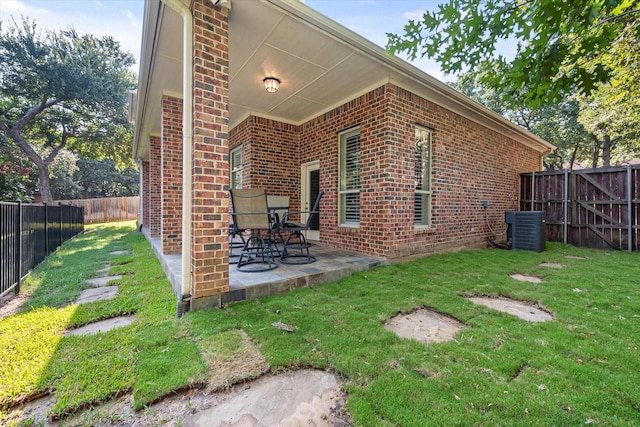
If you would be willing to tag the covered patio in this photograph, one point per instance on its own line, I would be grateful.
(331, 265)
(405, 162)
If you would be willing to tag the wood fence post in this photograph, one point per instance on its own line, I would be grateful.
(629, 209)
(565, 215)
(573, 195)
(533, 189)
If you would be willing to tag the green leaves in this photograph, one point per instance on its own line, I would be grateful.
(555, 39)
(79, 83)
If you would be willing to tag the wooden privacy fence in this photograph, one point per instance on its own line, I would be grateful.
(596, 208)
(108, 209)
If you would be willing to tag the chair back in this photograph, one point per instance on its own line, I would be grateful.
(250, 209)
(278, 205)
(315, 212)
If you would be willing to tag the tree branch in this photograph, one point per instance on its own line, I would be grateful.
(56, 150)
(25, 147)
(18, 125)
(613, 18)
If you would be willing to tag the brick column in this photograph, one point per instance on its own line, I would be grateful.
(155, 188)
(171, 174)
(210, 215)
(146, 202)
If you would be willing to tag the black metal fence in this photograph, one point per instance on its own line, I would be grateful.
(30, 232)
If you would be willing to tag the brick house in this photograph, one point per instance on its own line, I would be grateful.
(405, 161)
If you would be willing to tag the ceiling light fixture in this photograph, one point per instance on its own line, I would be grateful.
(271, 84)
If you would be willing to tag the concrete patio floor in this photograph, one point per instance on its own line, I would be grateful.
(331, 265)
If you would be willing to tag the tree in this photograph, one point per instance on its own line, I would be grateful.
(103, 179)
(612, 112)
(15, 174)
(62, 90)
(558, 43)
(556, 123)
(62, 169)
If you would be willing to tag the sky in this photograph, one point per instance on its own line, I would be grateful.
(122, 19)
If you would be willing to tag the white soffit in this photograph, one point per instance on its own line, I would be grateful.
(320, 64)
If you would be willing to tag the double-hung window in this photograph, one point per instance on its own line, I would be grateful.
(423, 193)
(349, 173)
(236, 167)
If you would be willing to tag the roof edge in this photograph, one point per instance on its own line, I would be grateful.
(459, 103)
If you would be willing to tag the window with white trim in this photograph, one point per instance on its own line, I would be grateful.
(236, 167)
(423, 193)
(349, 173)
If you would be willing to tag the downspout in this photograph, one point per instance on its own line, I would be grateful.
(184, 299)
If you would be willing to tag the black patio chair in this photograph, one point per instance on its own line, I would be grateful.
(250, 212)
(296, 247)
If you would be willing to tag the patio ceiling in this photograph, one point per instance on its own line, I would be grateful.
(320, 65)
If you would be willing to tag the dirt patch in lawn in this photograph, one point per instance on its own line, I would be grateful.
(425, 326)
(231, 357)
(232, 396)
(297, 398)
(11, 303)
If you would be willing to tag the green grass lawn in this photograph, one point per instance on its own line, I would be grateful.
(581, 368)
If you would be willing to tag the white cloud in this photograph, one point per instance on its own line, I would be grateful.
(99, 5)
(17, 9)
(414, 15)
(99, 18)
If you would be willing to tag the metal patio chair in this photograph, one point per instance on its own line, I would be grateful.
(278, 208)
(250, 212)
(296, 247)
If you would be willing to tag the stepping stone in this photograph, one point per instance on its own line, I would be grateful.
(424, 326)
(102, 326)
(523, 278)
(517, 308)
(300, 398)
(97, 294)
(574, 257)
(105, 270)
(102, 281)
(552, 265)
(119, 253)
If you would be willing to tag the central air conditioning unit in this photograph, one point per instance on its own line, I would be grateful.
(526, 230)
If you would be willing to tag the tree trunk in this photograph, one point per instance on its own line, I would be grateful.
(572, 161)
(596, 152)
(44, 183)
(606, 151)
(43, 164)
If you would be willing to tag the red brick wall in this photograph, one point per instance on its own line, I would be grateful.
(270, 156)
(155, 187)
(171, 151)
(210, 216)
(319, 140)
(470, 164)
(241, 135)
(146, 194)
